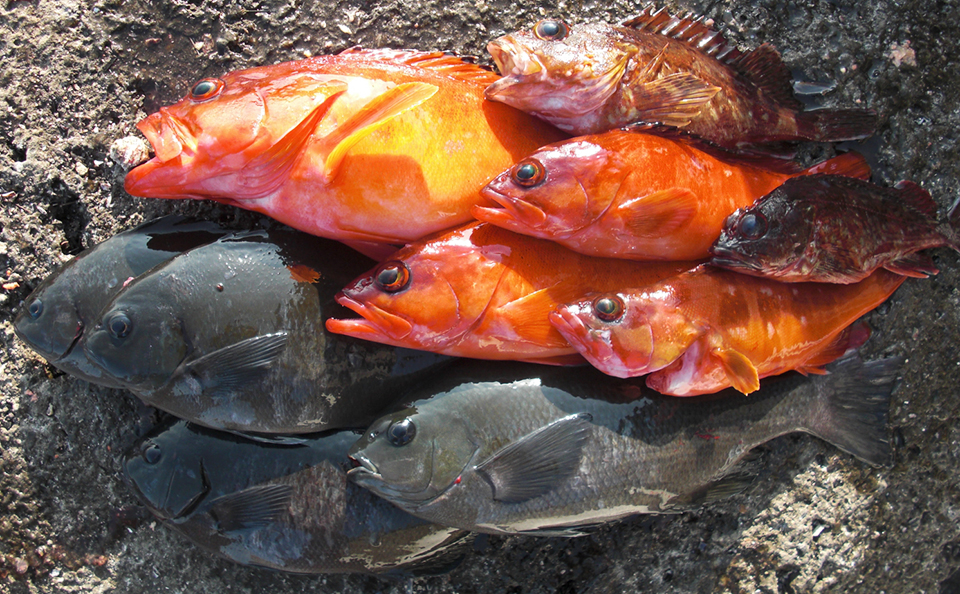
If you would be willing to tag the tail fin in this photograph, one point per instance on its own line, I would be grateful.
(854, 400)
(851, 164)
(834, 125)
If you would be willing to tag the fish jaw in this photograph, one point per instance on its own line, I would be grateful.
(167, 135)
(377, 324)
(731, 259)
(514, 213)
(596, 346)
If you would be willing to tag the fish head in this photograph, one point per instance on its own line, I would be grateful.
(768, 238)
(139, 338)
(626, 334)
(557, 71)
(555, 192)
(167, 478)
(48, 320)
(203, 143)
(427, 296)
(414, 456)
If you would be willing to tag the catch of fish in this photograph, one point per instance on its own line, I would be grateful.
(622, 197)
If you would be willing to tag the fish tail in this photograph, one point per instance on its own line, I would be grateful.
(834, 125)
(851, 164)
(854, 400)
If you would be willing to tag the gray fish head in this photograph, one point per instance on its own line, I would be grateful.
(413, 456)
(753, 240)
(48, 320)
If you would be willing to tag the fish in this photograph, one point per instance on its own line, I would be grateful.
(289, 508)
(634, 194)
(366, 146)
(658, 68)
(483, 292)
(230, 336)
(833, 229)
(53, 318)
(709, 329)
(557, 454)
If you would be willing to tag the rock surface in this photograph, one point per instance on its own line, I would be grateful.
(76, 75)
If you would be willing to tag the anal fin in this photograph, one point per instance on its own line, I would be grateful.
(851, 338)
(915, 265)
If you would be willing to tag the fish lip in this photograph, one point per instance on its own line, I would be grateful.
(521, 211)
(515, 62)
(375, 320)
(367, 467)
(168, 137)
(726, 258)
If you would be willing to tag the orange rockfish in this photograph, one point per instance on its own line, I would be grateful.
(658, 68)
(631, 194)
(709, 329)
(367, 145)
(482, 292)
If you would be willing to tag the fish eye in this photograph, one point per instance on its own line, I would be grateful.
(35, 309)
(528, 173)
(392, 276)
(608, 309)
(551, 30)
(119, 325)
(752, 225)
(401, 432)
(151, 453)
(207, 88)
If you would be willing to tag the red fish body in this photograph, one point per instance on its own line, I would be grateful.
(829, 228)
(631, 194)
(657, 68)
(709, 329)
(480, 291)
(377, 146)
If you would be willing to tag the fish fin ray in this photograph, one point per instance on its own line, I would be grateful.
(658, 213)
(764, 67)
(850, 164)
(917, 197)
(692, 30)
(834, 125)
(251, 508)
(374, 114)
(717, 490)
(951, 229)
(538, 462)
(740, 370)
(851, 338)
(674, 100)
(915, 265)
(529, 315)
(239, 363)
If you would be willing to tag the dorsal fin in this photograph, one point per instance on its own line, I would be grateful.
(765, 68)
(690, 29)
(445, 63)
(917, 198)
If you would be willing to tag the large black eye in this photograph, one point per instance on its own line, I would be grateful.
(207, 88)
(753, 225)
(150, 452)
(551, 30)
(119, 325)
(392, 276)
(608, 309)
(402, 432)
(528, 173)
(35, 309)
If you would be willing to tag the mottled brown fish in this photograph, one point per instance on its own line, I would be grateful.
(835, 229)
(656, 67)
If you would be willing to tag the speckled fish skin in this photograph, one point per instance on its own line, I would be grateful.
(289, 508)
(833, 229)
(231, 336)
(588, 78)
(341, 146)
(55, 315)
(709, 329)
(633, 194)
(572, 448)
(484, 292)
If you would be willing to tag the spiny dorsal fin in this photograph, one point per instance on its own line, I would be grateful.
(917, 198)
(690, 29)
(765, 68)
(445, 63)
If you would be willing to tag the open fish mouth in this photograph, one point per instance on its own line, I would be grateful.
(593, 345)
(514, 212)
(514, 59)
(376, 323)
(364, 467)
(167, 135)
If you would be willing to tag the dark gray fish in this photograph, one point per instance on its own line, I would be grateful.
(290, 508)
(66, 303)
(835, 229)
(553, 453)
(231, 336)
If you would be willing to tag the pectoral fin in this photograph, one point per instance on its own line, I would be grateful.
(674, 100)
(739, 369)
(538, 462)
(374, 114)
(658, 213)
(529, 317)
(233, 366)
(251, 508)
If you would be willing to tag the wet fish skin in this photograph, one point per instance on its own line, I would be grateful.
(68, 302)
(593, 77)
(231, 336)
(289, 508)
(549, 455)
(833, 229)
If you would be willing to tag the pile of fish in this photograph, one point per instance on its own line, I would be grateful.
(623, 195)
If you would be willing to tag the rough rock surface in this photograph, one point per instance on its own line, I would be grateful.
(76, 75)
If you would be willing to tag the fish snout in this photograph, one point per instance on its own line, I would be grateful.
(376, 323)
(514, 212)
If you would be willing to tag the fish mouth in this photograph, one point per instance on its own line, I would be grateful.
(594, 345)
(167, 135)
(513, 214)
(726, 258)
(517, 65)
(377, 324)
(365, 468)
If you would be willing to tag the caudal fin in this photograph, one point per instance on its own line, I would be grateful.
(835, 125)
(854, 399)
(851, 164)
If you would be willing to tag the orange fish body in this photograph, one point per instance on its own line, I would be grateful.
(479, 291)
(631, 194)
(709, 329)
(375, 145)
